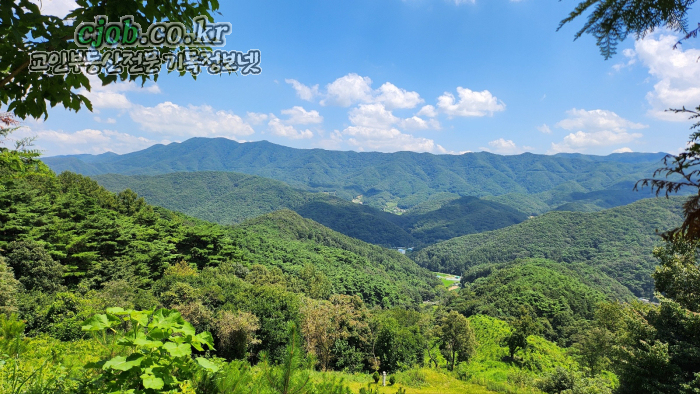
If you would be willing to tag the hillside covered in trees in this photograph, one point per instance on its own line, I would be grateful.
(617, 241)
(403, 179)
(90, 236)
(230, 198)
(78, 259)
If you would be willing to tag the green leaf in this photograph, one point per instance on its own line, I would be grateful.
(159, 334)
(206, 364)
(176, 350)
(203, 338)
(121, 363)
(187, 329)
(140, 317)
(142, 341)
(152, 382)
(97, 323)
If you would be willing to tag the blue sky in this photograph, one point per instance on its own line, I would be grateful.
(389, 75)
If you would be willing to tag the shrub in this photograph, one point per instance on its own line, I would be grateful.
(392, 380)
(412, 378)
(158, 347)
(375, 376)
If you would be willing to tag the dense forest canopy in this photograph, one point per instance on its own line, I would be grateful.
(618, 241)
(385, 180)
(230, 198)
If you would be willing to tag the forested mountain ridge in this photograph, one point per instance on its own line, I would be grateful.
(618, 241)
(91, 236)
(559, 295)
(229, 198)
(403, 178)
(70, 250)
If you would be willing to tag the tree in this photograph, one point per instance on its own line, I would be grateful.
(8, 288)
(684, 172)
(613, 20)
(24, 30)
(236, 332)
(34, 267)
(20, 161)
(327, 323)
(678, 275)
(523, 327)
(458, 340)
(292, 375)
(398, 346)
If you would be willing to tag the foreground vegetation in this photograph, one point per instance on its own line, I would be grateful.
(103, 292)
(73, 251)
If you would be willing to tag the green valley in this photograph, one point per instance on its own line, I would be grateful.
(617, 241)
(230, 198)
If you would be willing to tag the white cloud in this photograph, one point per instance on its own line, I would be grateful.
(304, 92)
(277, 127)
(581, 141)
(623, 150)
(676, 71)
(59, 8)
(373, 129)
(594, 129)
(427, 110)
(256, 118)
(348, 90)
(298, 115)
(416, 123)
(394, 97)
(107, 99)
(544, 129)
(389, 140)
(112, 95)
(333, 142)
(631, 59)
(597, 120)
(355, 89)
(378, 116)
(372, 115)
(201, 121)
(506, 147)
(92, 141)
(470, 103)
(108, 120)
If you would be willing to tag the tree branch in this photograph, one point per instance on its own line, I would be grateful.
(13, 74)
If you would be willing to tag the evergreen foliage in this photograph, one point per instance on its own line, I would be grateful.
(403, 178)
(617, 241)
(558, 297)
(230, 198)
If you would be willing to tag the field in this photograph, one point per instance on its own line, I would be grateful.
(449, 281)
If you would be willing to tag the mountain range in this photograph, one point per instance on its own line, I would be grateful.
(397, 181)
(230, 198)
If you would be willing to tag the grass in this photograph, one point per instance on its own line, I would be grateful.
(446, 282)
(436, 382)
